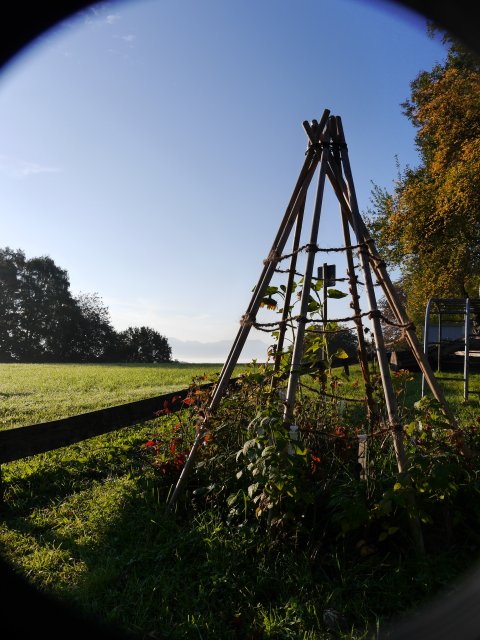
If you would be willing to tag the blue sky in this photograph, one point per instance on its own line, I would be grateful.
(150, 147)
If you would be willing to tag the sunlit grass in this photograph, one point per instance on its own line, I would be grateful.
(33, 393)
(88, 523)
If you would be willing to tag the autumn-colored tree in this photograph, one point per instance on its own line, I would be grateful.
(429, 226)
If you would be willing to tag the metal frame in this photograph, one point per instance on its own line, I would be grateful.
(451, 307)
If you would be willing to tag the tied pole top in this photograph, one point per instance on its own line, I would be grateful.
(326, 133)
(316, 131)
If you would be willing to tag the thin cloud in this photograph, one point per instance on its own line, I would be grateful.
(16, 168)
(112, 18)
(87, 16)
(128, 38)
(95, 16)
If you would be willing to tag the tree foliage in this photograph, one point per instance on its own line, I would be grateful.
(143, 344)
(429, 226)
(392, 333)
(339, 339)
(95, 338)
(40, 320)
(37, 310)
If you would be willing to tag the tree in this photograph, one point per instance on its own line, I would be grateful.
(11, 263)
(429, 226)
(392, 333)
(40, 320)
(37, 314)
(95, 338)
(143, 344)
(47, 311)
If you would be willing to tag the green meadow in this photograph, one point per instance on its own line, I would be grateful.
(88, 525)
(32, 393)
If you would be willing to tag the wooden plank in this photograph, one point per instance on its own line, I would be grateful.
(30, 440)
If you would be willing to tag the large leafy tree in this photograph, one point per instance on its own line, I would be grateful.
(429, 226)
(95, 337)
(11, 265)
(47, 311)
(40, 320)
(392, 333)
(143, 344)
(37, 311)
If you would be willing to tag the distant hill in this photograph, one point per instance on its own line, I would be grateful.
(194, 351)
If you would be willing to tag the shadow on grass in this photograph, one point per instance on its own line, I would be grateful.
(88, 524)
(164, 577)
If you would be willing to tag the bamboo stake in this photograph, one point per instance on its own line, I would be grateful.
(288, 294)
(393, 299)
(307, 281)
(380, 350)
(362, 350)
(390, 400)
(397, 308)
(296, 201)
(239, 342)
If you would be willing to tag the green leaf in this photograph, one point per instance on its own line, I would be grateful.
(410, 429)
(248, 445)
(270, 290)
(232, 499)
(253, 488)
(268, 450)
(335, 293)
(268, 302)
(300, 450)
(341, 353)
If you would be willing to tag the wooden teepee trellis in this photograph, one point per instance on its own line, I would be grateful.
(326, 153)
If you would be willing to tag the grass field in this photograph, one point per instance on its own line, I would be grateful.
(87, 523)
(32, 393)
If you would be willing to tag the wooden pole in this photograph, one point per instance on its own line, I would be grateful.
(288, 294)
(392, 297)
(362, 349)
(259, 292)
(466, 354)
(296, 201)
(372, 414)
(324, 309)
(389, 393)
(304, 301)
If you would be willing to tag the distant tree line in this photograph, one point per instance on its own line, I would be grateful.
(41, 321)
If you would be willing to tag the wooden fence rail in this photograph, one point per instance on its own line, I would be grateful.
(30, 440)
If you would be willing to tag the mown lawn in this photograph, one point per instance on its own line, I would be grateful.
(88, 524)
(33, 393)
